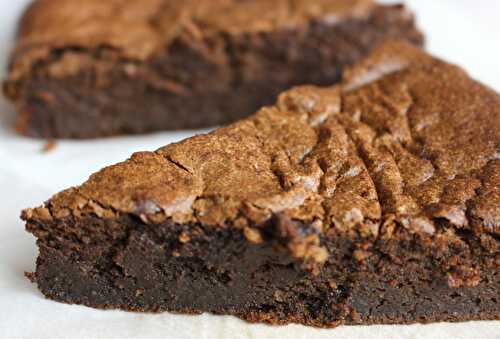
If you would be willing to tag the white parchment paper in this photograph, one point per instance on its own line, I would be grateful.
(466, 32)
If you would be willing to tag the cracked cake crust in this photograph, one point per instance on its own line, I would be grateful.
(391, 176)
(197, 63)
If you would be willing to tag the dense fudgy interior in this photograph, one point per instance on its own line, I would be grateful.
(192, 83)
(192, 269)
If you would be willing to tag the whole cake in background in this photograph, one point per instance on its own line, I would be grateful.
(374, 201)
(93, 68)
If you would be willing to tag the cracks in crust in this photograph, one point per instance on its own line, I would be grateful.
(410, 147)
(417, 141)
(477, 193)
(259, 137)
(178, 164)
(358, 154)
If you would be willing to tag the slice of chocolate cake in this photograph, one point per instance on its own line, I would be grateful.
(93, 68)
(375, 201)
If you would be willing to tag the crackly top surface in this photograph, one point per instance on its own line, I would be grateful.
(140, 28)
(406, 139)
(150, 22)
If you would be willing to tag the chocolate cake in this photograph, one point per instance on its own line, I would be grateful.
(93, 68)
(374, 201)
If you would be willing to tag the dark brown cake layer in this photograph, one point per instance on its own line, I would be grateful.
(375, 201)
(100, 68)
(188, 269)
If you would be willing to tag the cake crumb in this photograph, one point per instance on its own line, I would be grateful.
(49, 146)
(464, 277)
(184, 237)
(31, 276)
(252, 235)
(360, 255)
